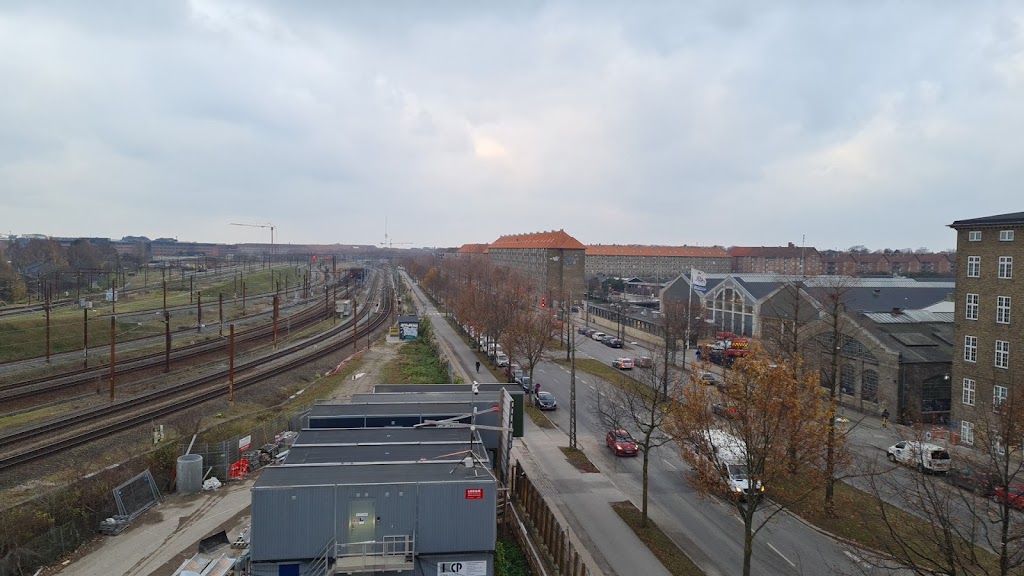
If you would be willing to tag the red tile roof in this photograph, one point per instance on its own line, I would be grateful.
(771, 251)
(553, 240)
(473, 249)
(679, 251)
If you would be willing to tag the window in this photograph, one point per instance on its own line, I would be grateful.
(974, 236)
(847, 375)
(1002, 309)
(869, 386)
(969, 390)
(1005, 267)
(998, 396)
(970, 348)
(972, 306)
(1002, 354)
(1006, 235)
(974, 266)
(967, 432)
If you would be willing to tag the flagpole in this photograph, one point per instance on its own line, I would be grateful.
(689, 318)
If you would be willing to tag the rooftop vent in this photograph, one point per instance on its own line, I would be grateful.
(896, 311)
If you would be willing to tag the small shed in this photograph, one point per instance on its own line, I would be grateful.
(408, 327)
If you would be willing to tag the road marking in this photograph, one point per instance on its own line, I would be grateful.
(854, 557)
(669, 464)
(781, 554)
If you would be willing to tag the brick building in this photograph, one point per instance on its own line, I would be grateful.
(988, 361)
(791, 259)
(553, 261)
(654, 263)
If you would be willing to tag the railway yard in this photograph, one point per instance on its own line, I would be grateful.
(78, 412)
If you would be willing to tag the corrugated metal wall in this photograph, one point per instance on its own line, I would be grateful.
(449, 522)
(395, 504)
(291, 523)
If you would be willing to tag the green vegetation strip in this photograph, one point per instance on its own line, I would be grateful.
(509, 559)
(579, 459)
(539, 418)
(613, 375)
(416, 363)
(670, 556)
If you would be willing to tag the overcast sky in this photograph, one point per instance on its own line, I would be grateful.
(731, 123)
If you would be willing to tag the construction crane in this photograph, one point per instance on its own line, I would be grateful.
(389, 243)
(267, 225)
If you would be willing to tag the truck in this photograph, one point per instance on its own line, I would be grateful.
(727, 349)
(727, 454)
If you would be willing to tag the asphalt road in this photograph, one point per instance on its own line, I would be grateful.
(708, 529)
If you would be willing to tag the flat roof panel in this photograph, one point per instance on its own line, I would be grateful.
(444, 472)
(354, 436)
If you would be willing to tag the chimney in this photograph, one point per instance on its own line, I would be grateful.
(791, 245)
(896, 311)
(877, 291)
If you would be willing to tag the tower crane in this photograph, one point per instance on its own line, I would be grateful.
(388, 242)
(267, 225)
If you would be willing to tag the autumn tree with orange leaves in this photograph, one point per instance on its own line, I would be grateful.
(765, 401)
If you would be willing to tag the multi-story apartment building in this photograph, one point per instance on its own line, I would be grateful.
(791, 259)
(654, 263)
(988, 366)
(472, 251)
(553, 261)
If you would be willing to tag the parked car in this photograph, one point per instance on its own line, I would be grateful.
(589, 332)
(614, 342)
(623, 363)
(709, 378)
(1014, 496)
(501, 359)
(544, 400)
(511, 369)
(599, 336)
(525, 382)
(582, 330)
(621, 443)
(926, 457)
(724, 410)
(978, 480)
(643, 362)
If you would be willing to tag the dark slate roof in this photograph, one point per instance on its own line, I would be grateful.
(513, 389)
(757, 289)
(439, 397)
(1013, 218)
(371, 474)
(868, 299)
(408, 319)
(355, 436)
(396, 409)
(362, 455)
(918, 342)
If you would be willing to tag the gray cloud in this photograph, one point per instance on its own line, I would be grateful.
(704, 122)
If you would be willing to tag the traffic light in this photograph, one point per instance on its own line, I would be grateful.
(543, 302)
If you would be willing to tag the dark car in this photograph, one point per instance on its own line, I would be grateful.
(978, 480)
(621, 443)
(724, 410)
(589, 332)
(582, 330)
(545, 400)
(526, 383)
(1014, 496)
(613, 342)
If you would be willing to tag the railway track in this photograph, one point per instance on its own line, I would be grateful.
(93, 424)
(71, 379)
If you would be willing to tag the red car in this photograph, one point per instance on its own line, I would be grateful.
(1015, 498)
(621, 443)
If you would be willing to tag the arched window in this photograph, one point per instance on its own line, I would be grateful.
(847, 377)
(869, 386)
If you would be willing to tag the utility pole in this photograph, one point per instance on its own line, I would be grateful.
(355, 325)
(572, 395)
(275, 321)
(85, 338)
(47, 308)
(167, 338)
(220, 312)
(113, 348)
(199, 312)
(231, 365)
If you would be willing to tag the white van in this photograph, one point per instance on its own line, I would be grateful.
(729, 455)
(599, 336)
(926, 457)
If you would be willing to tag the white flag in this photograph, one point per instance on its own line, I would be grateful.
(698, 280)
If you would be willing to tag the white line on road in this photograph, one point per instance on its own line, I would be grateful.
(781, 554)
(854, 557)
(669, 464)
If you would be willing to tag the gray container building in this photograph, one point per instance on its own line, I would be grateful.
(401, 501)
